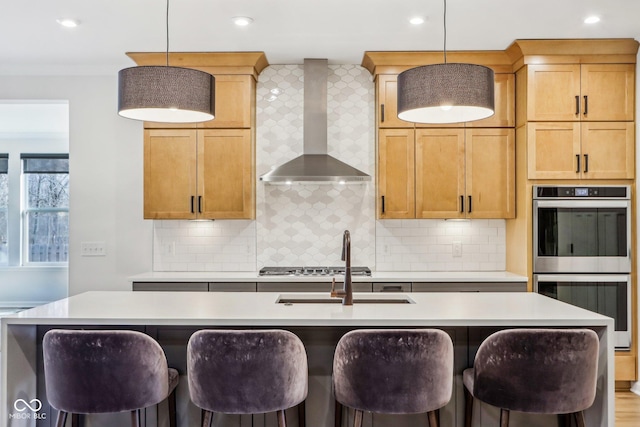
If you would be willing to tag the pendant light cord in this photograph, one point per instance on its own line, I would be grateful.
(167, 21)
(445, 30)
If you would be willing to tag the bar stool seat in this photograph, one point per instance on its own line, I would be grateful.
(106, 371)
(247, 372)
(540, 371)
(393, 371)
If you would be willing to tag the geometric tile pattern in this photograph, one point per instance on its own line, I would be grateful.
(302, 224)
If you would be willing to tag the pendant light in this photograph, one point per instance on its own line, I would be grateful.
(166, 94)
(445, 93)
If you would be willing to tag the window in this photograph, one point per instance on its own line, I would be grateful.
(4, 202)
(45, 212)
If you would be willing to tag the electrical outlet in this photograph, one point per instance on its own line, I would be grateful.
(457, 249)
(93, 249)
(169, 248)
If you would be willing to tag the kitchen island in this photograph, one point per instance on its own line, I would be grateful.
(171, 317)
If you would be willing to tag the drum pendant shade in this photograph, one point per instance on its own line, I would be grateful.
(446, 93)
(166, 94)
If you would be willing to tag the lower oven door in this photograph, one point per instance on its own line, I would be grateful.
(607, 294)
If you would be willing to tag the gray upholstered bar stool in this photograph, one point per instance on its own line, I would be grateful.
(541, 371)
(247, 372)
(393, 372)
(103, 371)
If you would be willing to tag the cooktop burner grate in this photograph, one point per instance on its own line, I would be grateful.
(313, 271)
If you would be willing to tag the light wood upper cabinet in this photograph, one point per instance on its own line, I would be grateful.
(205, 174)
(396, 173)
(572, 150)
(590, 92)
(458, 173)
(440, 174)
(387, 105)
(235, 103)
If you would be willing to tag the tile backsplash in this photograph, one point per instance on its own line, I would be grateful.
(302, 224)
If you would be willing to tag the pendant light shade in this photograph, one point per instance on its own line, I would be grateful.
(446, 93)
(166, 94)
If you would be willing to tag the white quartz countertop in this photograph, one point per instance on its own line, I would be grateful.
(262, 310)
(376, 276)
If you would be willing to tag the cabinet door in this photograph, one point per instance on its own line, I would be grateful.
(396, 174)
(225, 174)
(607, 92)
(490, 173)
(235, 100)
(553, 92)
(553, 150)
(440, 173)
(504, 103)
(169, 173)
(388, 103)
(608, 150)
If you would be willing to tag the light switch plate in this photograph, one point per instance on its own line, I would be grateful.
(93, 249)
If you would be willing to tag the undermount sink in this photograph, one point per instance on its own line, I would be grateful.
(357, 299)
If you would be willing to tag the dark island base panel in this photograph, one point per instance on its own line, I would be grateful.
(320, 343)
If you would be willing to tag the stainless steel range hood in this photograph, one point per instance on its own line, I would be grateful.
(315, 165)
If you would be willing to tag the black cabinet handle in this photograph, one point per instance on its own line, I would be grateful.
(586, 104)
(199, 204)
(382, 204)
(578, 161)
(391, 288)
(382, 113)
(577, 105)
(461, 204)
(192, 206)
(586, 163)
(469, 204)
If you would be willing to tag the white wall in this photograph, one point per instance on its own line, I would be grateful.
(105, 168)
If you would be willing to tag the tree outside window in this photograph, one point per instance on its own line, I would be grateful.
(4, 203)
(46, 208)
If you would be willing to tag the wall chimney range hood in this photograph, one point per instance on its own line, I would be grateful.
(315, 165)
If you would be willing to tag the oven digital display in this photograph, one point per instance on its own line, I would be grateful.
(582, 192)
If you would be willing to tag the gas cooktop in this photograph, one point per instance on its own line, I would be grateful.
(312, 271)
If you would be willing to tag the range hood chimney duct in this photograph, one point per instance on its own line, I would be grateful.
(315, 165)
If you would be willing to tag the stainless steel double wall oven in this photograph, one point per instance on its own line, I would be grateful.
(582, 250)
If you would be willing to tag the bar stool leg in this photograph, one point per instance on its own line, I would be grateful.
(282, 418)
(172, 408)
(75, 420)
(338, 414)
(207, 417)
(468, 408)
(135, 418)
(504, 418)
(433, 419)
(357, 418)
(302, 414)
(579, 416)
(61, 419)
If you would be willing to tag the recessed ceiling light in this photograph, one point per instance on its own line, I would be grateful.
(68, 22)
(417, 20)
(242, 21)
(591, 19)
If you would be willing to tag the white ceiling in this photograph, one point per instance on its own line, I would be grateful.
(31, 42)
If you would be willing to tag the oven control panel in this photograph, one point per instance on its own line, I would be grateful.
(577, 192)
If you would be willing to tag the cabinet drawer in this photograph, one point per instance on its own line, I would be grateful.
(171, 286)
(232, 286)
(469, 287)
(309, 287)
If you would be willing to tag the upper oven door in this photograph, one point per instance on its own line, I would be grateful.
(581, 236)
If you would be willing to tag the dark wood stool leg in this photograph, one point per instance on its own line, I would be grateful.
(504, 418)
(579, 417)
(207, 417)
(135, 418)
(433, 419)
(302, 414)
(172, 408)
(338, 414)
(75, 420)
(282, 418)
(61, 419)
(357, 418)
(564, 420)
(468, 408)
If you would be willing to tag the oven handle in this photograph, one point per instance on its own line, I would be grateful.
(605, 278)
(574, 203)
